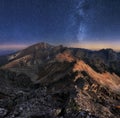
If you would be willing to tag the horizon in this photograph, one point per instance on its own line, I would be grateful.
(11, 48)
(93, 45)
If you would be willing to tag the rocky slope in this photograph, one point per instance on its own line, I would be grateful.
(45, 81)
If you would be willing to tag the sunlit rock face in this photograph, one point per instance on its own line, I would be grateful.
(55, 81)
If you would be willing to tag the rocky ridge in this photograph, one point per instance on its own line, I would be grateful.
(45, 81)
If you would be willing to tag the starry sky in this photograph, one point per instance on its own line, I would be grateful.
(78, 23)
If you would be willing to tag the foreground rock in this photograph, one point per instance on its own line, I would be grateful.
(62, 93)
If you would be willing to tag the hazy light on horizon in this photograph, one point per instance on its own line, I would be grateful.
(97, 45)
(12, 46)
(87, 45)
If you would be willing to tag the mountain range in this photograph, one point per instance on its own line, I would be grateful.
(47, 81)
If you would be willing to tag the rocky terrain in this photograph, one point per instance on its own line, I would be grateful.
(46, 81)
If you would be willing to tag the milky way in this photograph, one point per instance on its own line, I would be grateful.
(98, 20)
(85, 16)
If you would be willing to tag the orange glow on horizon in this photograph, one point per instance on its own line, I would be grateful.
(97, 45)
(86, 45)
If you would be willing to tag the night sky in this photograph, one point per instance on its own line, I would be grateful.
(80, 23)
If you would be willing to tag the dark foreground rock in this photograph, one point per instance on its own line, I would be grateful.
(56, 99)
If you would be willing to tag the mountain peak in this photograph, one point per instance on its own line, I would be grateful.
(108, 50)
(41, 45)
